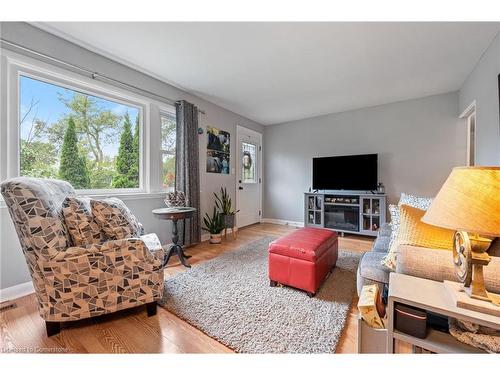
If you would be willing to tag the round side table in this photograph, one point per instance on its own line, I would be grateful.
(175, 214)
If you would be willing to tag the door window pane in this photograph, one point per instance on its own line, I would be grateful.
(249, 152)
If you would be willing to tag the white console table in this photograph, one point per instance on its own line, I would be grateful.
(431, 296)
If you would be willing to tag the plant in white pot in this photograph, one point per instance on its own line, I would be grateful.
(214, 225)
(224, 204)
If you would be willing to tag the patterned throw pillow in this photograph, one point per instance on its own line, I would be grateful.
(416, 202)
(115, 219)
(411, 200)
(82, 227)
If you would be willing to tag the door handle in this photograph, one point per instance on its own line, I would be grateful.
(240, 188)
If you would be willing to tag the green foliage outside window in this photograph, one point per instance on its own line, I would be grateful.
(91, 142)
(73, 167)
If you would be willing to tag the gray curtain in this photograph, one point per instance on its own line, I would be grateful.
(187, 175)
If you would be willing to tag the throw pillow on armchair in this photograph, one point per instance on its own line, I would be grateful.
(115, 219)
(82, 226)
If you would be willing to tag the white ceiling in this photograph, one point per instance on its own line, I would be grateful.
(277, 72)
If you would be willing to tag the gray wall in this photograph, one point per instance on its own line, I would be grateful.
(13, 268)
(418, 142)
(482, 86)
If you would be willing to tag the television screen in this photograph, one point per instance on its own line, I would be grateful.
(354, 172)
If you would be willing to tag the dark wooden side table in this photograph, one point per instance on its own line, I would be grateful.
(174, 214)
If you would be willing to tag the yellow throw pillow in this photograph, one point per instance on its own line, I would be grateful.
(412, 231)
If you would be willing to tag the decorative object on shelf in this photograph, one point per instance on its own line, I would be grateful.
(469, 203)
(380, 188)
(218, 150)
(410, 320)
(224, 205)
(370, 306)
(214, 225)
(176, 199)
(484, 338)
(200, 130)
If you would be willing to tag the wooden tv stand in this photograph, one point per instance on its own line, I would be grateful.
(345, 212)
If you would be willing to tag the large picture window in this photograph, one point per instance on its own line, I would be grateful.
(89, 141)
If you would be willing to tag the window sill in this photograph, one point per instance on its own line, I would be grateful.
(127, 196)
(122, 196)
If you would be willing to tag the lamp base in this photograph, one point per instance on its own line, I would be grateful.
(470, 256)
(490, 297)
(461, 298)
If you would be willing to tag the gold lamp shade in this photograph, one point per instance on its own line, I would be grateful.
(468, 201)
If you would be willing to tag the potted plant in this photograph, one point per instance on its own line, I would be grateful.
(223, 203)
(214, 225)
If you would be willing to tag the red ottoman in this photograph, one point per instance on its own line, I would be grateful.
(303, 258)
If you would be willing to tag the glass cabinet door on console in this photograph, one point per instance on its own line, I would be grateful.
(314, 212)
(371, 214)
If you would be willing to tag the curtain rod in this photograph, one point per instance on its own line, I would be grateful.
(94, 75)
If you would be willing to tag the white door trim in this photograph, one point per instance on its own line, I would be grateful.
(240, 128)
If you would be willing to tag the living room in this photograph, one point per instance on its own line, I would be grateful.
(250, 187)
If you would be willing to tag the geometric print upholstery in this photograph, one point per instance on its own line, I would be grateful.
(115, 219)
(82, 227)
(77, 282)
(99, 279)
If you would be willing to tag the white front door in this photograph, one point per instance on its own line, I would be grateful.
(248, 176)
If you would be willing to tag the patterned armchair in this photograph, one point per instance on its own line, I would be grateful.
(73, 283)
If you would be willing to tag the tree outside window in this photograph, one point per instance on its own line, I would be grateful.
(168, 140)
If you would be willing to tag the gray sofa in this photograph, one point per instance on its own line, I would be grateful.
(421, 262)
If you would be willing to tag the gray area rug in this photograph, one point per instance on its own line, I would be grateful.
(229, 298)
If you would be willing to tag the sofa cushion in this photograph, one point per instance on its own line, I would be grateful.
(381, 244)
(82, 226)
(371, 267)
(438, 265)
(385, 230)
(115, 219)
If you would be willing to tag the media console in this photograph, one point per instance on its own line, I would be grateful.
(345, 212)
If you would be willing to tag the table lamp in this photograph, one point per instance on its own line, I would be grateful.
(469, 203)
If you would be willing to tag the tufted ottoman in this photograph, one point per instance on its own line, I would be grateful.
(303, 258)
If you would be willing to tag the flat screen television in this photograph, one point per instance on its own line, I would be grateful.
(353, 172)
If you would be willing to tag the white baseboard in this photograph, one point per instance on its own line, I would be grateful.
(16, 291)
(299, 224)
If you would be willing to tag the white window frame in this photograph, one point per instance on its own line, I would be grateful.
(14, 65)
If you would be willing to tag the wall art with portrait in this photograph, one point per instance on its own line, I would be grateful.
(218, 150)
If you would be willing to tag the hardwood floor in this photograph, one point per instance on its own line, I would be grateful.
(131, 331)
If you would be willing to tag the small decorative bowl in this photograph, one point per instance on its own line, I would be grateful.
(176, 199)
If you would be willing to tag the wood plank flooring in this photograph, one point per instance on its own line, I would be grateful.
(131, 331)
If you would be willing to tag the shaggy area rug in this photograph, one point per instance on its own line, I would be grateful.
(229, 298)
